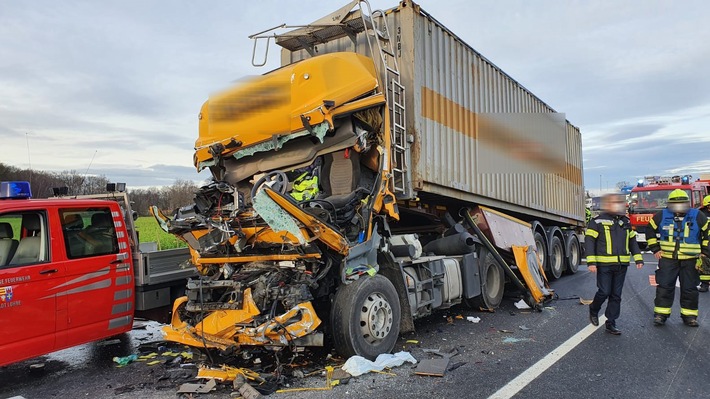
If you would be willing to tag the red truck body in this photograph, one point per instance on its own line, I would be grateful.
(66, 275)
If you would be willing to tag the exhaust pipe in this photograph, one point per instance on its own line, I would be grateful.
(457, 244)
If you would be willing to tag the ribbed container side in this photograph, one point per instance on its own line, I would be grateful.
(450, 89)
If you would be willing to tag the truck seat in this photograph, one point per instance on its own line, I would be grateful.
(30, 247)
(8, 245)
(340, 176)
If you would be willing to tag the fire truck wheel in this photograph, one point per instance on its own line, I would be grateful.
(557, 257)
(492, 283)
(365, 317)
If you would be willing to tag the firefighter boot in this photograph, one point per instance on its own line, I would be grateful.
(704, 286)
(659, 320)
(691, 321)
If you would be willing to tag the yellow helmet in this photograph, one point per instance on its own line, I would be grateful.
(678, 195)
(706, 200)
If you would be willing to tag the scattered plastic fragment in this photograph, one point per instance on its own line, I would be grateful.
(358, 365)
(460, 317)
(455, 366)
(473, 319)
(153, 363)
(412, 341)
(521, 305)
(524, 328)
(122, 361)
(207, 387)
(512, 340)
(585, 301)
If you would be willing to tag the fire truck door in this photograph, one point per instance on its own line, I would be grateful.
(28, 301)
(98, 296)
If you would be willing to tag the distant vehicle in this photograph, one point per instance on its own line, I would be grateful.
(71, 271)
(650, 196)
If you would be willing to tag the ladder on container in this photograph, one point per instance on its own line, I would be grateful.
(394, 93)
(349, 21)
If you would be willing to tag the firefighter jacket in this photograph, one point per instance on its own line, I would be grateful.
(679, 237)
(611, 241)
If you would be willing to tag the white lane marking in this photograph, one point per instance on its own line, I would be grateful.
(534, 371)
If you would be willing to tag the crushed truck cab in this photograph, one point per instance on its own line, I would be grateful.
(367, 183)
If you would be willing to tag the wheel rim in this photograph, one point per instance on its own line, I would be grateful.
(540, 253)
(557, 259)
(492, 281)
(574, 255)
(376, 318)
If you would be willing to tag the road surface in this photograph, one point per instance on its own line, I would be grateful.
(511, 353)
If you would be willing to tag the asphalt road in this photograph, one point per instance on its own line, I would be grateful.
(517, 353)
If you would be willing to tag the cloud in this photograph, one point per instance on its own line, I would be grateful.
(123, 82)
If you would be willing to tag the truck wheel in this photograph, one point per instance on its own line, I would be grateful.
(541, 249)
(365, 317)
(492, 283)
(574, 255)
(557, 257)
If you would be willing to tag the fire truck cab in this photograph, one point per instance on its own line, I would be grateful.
(66, 272)
(650, 196)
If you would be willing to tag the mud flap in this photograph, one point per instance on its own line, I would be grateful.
(532, 273)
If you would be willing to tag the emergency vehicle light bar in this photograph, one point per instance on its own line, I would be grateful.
(15, 190)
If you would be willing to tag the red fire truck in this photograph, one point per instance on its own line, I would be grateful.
(650, 196)
(71, 271)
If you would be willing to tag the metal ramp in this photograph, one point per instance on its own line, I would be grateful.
(349, 21)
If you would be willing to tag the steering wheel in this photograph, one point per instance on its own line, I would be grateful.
(278, 180)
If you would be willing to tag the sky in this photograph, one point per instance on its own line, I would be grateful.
(114, 88)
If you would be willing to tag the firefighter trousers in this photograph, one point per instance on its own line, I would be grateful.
(610, 282)
(669, 270)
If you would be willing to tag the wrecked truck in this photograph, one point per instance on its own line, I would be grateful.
(386, 170)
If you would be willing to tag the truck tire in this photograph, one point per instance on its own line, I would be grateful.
(492, 283)
(365, 317)
(541, 249)
(557, 257)
(574, 254)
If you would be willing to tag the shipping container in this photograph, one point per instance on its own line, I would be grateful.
(475, 134)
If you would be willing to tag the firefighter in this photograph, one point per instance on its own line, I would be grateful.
(705, 278)
(609, 243)
(677, 236)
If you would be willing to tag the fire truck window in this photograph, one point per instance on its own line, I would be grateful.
(23, 239)
(88, 232)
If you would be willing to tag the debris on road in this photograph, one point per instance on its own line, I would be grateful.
(122, 361)
(522, 305)
(473, 319)
(524, 328)
(585, 301)
(512, 340)
(433, 367)
(358, 365)
(207, 387)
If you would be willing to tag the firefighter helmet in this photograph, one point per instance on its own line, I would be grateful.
(678, 195)
(706, 200)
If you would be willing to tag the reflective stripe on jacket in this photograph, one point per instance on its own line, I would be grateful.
(610, 240)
